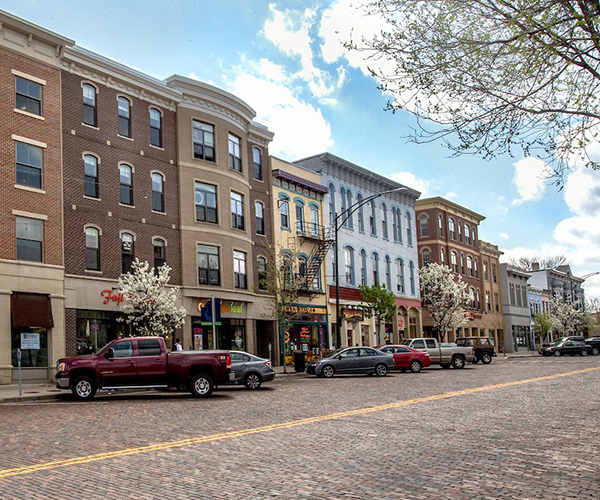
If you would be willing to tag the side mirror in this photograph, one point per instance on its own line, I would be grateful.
(109, 354)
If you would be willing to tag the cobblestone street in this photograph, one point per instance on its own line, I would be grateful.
(511, 429)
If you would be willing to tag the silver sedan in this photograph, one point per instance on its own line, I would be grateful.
(352, 360)
(251, 370)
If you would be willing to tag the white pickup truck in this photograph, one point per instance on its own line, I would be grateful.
(444, 355)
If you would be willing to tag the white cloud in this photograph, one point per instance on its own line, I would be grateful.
(529, 178)
(410, 180)
(504, 236)
(450, 195)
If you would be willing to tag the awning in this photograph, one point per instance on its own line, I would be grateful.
(31, 309)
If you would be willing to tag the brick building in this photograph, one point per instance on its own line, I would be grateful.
(121, 187)
(31, 235)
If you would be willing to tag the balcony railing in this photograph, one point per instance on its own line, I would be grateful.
(310, 230)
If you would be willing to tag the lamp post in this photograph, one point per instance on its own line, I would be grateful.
(583, 278)
(344, 216)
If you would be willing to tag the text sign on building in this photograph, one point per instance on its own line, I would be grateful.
(30, 341)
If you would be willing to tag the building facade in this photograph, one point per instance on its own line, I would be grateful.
(491, 323)
(517, 321)
(448, 234)
(225, 220)
(377, 244)
(300, 247)
(559, 282)
(32, 317)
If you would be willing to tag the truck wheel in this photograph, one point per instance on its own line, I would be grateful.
(486, 359)
(458, 362)
(595, 351)
(252, 381)
(445, 365)
(328, 371)
(381, 370)
(201, 385)
(415, 366)
(84, 388)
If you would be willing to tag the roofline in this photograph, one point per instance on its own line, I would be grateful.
(28, 28)
(440, 199)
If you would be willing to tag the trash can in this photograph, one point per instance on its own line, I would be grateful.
(299, 361)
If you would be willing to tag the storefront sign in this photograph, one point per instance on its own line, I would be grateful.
(305, 309)
(30, 341)
(352, 315)
(232, 308)
(205, 309)
(111, 295)
(472, 315)
(400, 324)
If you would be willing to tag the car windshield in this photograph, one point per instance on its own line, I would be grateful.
(333, 353)
(98, 351)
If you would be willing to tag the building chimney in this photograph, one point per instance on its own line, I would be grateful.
(535, 266)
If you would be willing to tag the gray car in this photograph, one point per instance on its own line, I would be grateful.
(251, 370)
(352, 360)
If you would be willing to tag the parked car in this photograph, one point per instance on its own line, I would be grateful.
(564, 347)
(445, 355)
(407, 358)
(251, 370)
(143, 362)
(594, 343)
(484, 350)
(352, 360)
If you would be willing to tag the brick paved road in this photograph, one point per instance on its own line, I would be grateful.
(534, 440)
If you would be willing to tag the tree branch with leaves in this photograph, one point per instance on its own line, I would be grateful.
(379, 303)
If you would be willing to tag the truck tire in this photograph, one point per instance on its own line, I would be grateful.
(381, 370)
(252, 381)
(458, 362)
(486, 358)
(84, 388)
(415, 366)
(201, 385)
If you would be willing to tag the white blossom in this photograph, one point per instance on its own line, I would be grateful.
(567, 316)
(148, 303)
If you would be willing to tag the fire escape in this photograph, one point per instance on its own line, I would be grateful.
(321, 240)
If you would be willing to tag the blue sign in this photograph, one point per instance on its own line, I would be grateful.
(206, 313)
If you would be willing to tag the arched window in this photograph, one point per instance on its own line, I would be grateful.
(467, 234)
(373, 220)
(299, 218)
(388, 273)
(394, 224)
(469, 265)
(90, 167)
(412, 277)
(126, 252)
(425, 257)
(92, 249)
(476, 268)
(472, 297)
(399, 218)
(363, 268)
(158, 192)
(314, 221)
(349, 265)
(331, 205)
(400, 275)
(343, 213)
(442, 257)
(160, 253)
(261, 266)
(384, 221)
(408, 229)
(284, 208)
(361, 215)
(454, 261)
(375, 262)
(126, 179)
(451, 231)
(155, 128)
(349, 222)
(302, 266)
(462, 263)
(124, 117)
(89, 105)
(424, 225)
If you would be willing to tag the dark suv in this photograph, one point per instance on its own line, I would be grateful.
(594, 343)
(484, 349)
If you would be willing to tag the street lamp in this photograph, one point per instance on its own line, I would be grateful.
(583, 278)
(344, 216)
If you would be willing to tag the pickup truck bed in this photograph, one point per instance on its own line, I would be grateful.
(443, 355)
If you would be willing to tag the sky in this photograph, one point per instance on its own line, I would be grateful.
(286, 60)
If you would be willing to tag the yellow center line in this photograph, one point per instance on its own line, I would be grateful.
(268, 428)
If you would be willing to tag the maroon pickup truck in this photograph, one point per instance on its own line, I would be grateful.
(143, 362)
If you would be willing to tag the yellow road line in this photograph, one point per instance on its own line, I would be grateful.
(268, 428)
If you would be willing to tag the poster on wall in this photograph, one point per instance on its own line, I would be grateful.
(30, 341)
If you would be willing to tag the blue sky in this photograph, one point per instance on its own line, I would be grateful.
(285, 60)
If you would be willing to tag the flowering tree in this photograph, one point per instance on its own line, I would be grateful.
(148, 304)
(446, 297)
(567, 316)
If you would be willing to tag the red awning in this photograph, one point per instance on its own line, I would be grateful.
(31, 309)
(408, 303)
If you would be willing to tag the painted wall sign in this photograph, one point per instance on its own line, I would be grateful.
(111, 295)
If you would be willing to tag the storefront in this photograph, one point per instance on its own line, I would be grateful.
(307, 331)
(227, 331)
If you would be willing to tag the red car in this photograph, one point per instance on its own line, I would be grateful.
(407, 358)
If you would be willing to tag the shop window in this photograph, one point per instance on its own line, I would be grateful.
(30, 238)
(92, 249)
(208, 265)
(126, 252)
(30, 358)
(95, 329)
(232, 334)
(28, 96)
(204, 141)
(158, 192)
(90, 167)
(155, 128)
(124, 117)
(28, 165)
(206, 203)
(89, 105)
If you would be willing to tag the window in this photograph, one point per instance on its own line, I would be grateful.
(388, 273)
(476, 268)
(408, 229)
(459, 231)
(411, 267)
(314, 221)
(30, 238)
(302, 267)
(399, 217)
(472, 297)
(496, 303)
(350, 221)
(284, 207)
(494, 273)
(159, 253)
(28, 96)
(123, 349)
(363, 268)
(261, 266)
(331, 205)
(239, 269)
(204, 141)
(469, 265)
(237, 211)
(259, 212)
(462, 263)
(90, 171)
(384, 222)
(375, 261)
(89, 105)
(208, 265)
(488, 304)
(442, 257)
(424, 225)
(485, 271)
(400, 275)
(373, 220)
(235, 153)
(299, 218)
(158, 194)
(454, 261)
(29, 165)
(349, 261)
(394, 224)
(467, 235)
(124, 117)
(126, 252)
(512, 294)
(257, 161)
(92, 249)
(155, 128)
(426, 257)
(148, 347)
(451, 231)
(126, 185)
(361, 215)
(205, 198)
(440, 226)
(317, 278)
